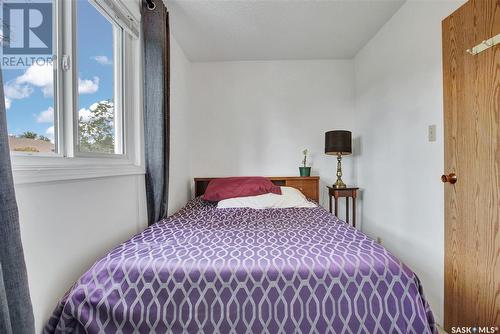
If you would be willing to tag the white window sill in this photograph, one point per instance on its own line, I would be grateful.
(51, 169)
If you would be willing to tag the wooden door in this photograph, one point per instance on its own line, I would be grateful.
(472, 152)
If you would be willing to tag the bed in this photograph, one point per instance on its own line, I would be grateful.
(209, 270)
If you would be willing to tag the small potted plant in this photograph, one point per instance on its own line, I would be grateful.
(304, 170)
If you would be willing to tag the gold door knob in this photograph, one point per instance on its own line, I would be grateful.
(452, 178)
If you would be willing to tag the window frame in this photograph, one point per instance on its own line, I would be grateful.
(118, 91)
(68, 162)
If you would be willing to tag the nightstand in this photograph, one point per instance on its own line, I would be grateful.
(336, 193)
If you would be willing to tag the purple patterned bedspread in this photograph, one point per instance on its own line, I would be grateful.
(246, 271)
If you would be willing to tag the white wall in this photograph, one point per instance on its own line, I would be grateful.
(66, 226)
(256, 117)
(180, 129)
(398, 94)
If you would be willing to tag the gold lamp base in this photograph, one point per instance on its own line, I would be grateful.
(339, 183)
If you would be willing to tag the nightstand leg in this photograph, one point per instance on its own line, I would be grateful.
(354, 212)
(330, 203)
(347, 210)
(336, 205)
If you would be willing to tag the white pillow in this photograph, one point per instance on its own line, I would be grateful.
(289, 198)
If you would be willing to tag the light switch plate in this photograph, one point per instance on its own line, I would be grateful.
(432, 133)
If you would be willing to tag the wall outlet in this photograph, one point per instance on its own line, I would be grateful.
(432, 133)
(379, 240)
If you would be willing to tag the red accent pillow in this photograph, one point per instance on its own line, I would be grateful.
(230, 187)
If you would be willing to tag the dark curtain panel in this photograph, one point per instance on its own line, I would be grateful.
(15, 304)
(156, 107)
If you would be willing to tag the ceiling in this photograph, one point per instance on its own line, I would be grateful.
(231, 30)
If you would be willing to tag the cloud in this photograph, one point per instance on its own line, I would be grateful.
(46, 116)
(41, 76)
(103, 60)
(84, 114)
(22, 86)
(86, 86)
(50, 133)
(14, 91)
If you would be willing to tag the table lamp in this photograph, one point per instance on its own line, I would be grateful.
(338, 142)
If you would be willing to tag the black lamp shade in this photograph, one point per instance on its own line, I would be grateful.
(338, 142)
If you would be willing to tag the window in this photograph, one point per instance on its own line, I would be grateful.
(69, 102)
(72, 84)
(98, 56)
(29, 83)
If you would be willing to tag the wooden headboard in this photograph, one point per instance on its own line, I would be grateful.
(309, 186)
